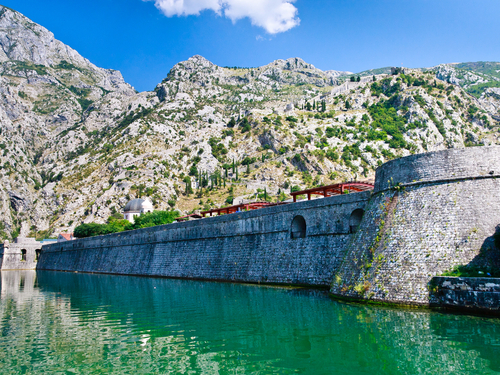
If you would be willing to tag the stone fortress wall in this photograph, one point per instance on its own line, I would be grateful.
(428, 213)
(22, 254)
(268, 245)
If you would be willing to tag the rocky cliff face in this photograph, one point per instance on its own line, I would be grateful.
(77, 142)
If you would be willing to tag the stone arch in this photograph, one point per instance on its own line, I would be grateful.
(355, 220)
(298, 229)
(23, 255)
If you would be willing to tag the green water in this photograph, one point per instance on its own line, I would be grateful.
(63, 323)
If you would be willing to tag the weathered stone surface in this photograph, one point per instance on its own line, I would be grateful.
(253, 246)
(468, 293)
(441, 212)
(22, 254)
(426, 219)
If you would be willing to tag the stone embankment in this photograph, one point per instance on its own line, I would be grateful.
(466, 293)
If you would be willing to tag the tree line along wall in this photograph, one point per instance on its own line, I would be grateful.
(428, 213)
(295, 244)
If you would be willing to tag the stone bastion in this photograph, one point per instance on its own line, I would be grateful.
(428, 213)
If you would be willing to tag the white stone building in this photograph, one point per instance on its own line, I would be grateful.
(136, 207)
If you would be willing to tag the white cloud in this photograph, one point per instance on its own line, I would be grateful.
(274, 16)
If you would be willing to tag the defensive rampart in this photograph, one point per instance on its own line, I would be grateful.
(272, 245)
(22, 254)
(428, 213)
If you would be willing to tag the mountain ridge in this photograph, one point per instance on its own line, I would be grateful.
(77, 142)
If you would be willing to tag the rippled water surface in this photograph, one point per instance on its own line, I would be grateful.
(64, 323)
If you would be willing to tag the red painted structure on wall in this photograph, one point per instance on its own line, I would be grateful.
(335, 189)
(239, 207)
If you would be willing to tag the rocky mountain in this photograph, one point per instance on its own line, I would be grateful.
(77, 142)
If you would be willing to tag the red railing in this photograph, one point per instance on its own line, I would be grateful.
(335, 189)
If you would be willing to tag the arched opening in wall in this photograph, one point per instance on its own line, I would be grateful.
(23, 255)
(298, 227)
(355, 220)
(37, 254)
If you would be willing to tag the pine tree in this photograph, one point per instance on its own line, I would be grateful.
(233, 166)
(314, 105)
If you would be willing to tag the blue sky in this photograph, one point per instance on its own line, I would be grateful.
(137, 38)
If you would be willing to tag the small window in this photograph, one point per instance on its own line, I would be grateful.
(298, 227)
(37, 254)
(355, 220)
(23, 255)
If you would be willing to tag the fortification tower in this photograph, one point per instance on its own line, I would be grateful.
(428, 213)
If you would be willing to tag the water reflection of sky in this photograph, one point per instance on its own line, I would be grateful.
(92, 324)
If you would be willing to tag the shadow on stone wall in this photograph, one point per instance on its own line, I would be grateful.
(489, 253)
(474, 286)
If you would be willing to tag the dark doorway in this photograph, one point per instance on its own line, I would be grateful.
(298, 227)
(355, 220)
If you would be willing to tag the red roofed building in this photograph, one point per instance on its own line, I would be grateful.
(65, 237)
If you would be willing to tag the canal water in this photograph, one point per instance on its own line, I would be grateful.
(67, 323)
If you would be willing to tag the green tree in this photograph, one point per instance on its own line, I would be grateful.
(189, 189)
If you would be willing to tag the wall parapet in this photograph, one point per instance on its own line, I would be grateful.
(242, 223)
(439, 166)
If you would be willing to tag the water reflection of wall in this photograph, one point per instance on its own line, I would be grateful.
(20, 285)
(235, 324)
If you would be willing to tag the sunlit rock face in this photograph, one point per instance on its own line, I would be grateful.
(77, 142)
